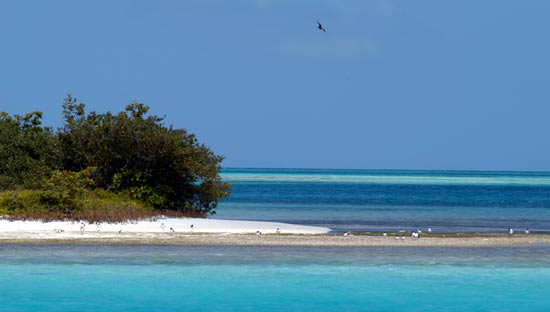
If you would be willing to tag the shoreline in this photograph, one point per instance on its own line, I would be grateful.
(298, 240)
(215, 232)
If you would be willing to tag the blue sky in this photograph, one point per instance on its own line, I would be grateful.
(391, 84)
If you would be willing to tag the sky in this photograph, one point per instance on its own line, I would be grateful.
(392, 84)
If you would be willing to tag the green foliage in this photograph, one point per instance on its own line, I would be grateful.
(28, 152)
(135, 184)
(130, 153)
(15, 201)
(135, 153)
(65, 191)
(95, 205)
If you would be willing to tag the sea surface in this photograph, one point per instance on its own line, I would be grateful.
(216, 278)
(392, 200)
(247, 278)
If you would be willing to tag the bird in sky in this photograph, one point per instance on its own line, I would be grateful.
(320, 27)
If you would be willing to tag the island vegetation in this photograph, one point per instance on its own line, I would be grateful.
(104, 167)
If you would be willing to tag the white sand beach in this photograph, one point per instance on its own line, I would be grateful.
(192, 231)
(70, 229)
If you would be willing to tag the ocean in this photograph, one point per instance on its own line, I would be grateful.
(248, 278)
(207, 278)
(391, 200)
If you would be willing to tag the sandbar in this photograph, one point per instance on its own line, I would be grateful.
(178, 231)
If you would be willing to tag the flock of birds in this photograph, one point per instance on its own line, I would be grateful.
(414, 234)
(162, 226)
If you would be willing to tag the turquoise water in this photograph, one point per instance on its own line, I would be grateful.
(183, 278)
(363, 200)
(232, 278)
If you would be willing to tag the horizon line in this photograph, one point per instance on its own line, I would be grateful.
(401, 169)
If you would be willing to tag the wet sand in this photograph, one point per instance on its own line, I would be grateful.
(319, 240)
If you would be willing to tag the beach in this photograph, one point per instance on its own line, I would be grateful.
(171, 231)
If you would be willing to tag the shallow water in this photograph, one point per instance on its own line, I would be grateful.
(239, 278)
(362, 200)
(214, 278)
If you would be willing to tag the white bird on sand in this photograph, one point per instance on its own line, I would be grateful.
(510, 231)
(278, 230)
(527, 231)
(429, 230)
(384, 234)
(172, 229)
(258, 233)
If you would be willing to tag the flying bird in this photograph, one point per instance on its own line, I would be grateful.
(320, 27)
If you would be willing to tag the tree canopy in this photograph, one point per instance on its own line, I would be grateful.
(131, 153)
(28, 151)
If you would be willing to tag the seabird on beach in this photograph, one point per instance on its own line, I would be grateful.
(278, 230)
(527, 231)
(258, 233)
(384, 234)
(510, 231)
(429, 230)
(320, 26)
(172, 229)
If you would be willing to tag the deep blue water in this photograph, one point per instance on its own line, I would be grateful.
(217, 278)
(456, 201)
